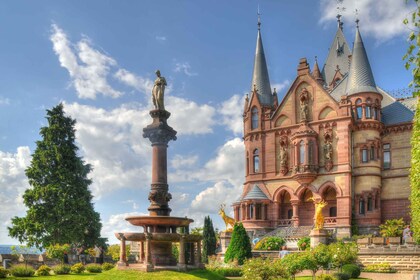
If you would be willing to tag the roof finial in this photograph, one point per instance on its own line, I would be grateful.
(259, 17)
(357, 18)
(316, 59)
(340, 9)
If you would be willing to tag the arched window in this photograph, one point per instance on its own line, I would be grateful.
(251, 211)
(368, 108)
(311, 152)
(290, 214)
(359, 109)
(369, 204)
(301, 152)
(256, 161)
(333, 211)
(361, 206)
(254, 118)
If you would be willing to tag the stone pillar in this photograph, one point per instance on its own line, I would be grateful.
(197, 256)
(318, 236)
(247, 211)
(141, 254)
(254, 210)
(295, 205)
(148, 256)
(123, 257)
(182, 265)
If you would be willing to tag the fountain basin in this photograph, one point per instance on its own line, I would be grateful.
(165, 221)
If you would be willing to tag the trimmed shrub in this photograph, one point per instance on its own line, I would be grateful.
(240, 246)
(351, 269)
(21, 270)
(293, 263)
(77, 268)
(107, 266)
(3, 272)
(341, 276)
(61, 269)
(227, 271)
(43, 270)
(271, 243)
(380, 267)
(304, 243)
(94, 268)
(325, 277)
(264, 269)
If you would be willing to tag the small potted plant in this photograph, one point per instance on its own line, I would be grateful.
(392, 231)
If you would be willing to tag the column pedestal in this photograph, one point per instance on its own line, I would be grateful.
(318, 236)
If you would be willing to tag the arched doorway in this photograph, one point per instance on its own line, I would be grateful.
(330, 211)
(306, 208)
(286, 211)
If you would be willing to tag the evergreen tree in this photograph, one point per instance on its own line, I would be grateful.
(209, 239)
(59, 202)
(240, 246)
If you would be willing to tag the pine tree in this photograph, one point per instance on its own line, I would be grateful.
(240, 246)
(59, 202)
(209, 239)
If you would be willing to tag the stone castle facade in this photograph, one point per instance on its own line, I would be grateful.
(335, 136)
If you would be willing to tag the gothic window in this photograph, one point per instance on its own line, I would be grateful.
(258, 212)
(368, 109)
(387, 156)
(372, 153)
(251, 211)
(256, 161)
(361, 206)
(311, 152)
(359, 109)
(290, 214)
(254, 118)
(364, 155)
(369, 204)
(375, 113)
(333, 211)
(301, 152)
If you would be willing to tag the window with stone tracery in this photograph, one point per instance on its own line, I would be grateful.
(256, 161)
(254, 118)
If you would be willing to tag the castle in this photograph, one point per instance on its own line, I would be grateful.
(335, 136)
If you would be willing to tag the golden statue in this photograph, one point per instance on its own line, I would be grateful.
(228, 220)
(158, 91)
(318, 217)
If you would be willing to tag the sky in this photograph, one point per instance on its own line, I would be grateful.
(99, 58)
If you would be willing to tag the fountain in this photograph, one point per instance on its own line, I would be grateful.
(159, 228)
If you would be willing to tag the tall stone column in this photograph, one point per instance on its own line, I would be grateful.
(181, 258)
(148, 256)
(141, 257)
(295, 205)
(159, 134)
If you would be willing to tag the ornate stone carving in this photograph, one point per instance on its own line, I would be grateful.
(283, 155)
(304, 105)
(159, 132)
(328, 149)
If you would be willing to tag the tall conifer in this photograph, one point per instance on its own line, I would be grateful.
(59, 202)
(209, 239)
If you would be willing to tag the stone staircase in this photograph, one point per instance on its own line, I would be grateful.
(290, 232)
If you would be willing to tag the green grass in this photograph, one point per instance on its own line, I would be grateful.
(114, 274)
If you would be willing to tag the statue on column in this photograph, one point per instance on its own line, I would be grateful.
(304, 109)
(283, 157)
(158, 91)
(318, 217)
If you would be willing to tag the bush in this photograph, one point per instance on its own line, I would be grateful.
(351, 269)
(392, 228)
(381, 267)
(43, 270)
(270, 243)
(240, 246)
(325, 277)
(341, 276)
(3, 272)
(343, 253)
(293, 263)
(304, 243)
(264, 269)
(61, 269)
(107, 266)
(21, 270)
(228, 271)
(94, 268)
(77, 268)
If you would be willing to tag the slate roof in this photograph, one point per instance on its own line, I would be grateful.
(260, 76)
(410, 103)
(255, 193)
(396, 113)
(338, 55)
(360, 75)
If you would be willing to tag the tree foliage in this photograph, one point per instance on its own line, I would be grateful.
(60, 208)
(209, 239)
(240, 246)
(412, 58)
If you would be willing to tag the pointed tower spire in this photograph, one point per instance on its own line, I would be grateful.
(260, 80)
(360, 75)
(316, 73)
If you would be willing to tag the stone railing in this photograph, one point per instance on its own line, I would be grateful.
(330, 220)
(284, 222)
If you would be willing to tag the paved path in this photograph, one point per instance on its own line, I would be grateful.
(390, 276)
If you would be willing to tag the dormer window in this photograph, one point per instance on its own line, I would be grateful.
(254, 118)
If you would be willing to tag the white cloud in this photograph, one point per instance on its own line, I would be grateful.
(4, 101)
(160, 38)
(231, 112)
(117, 223)
(184, 67)
(280, 86)
(13, 183)
(87, 67)
(383, 20)
(141, 84)
(180, 161)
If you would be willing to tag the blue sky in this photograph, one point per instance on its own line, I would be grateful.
(99, 58)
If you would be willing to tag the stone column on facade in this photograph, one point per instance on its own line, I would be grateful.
(295, 217)
(181, 258)
(263, 211)
(254, 210)
(123, 257)
(247, 211)
(277, 210)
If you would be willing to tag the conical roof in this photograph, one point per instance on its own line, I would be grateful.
(337, 56)
(255, 194)
(316, 73)
(260, 75)
(360, 75)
